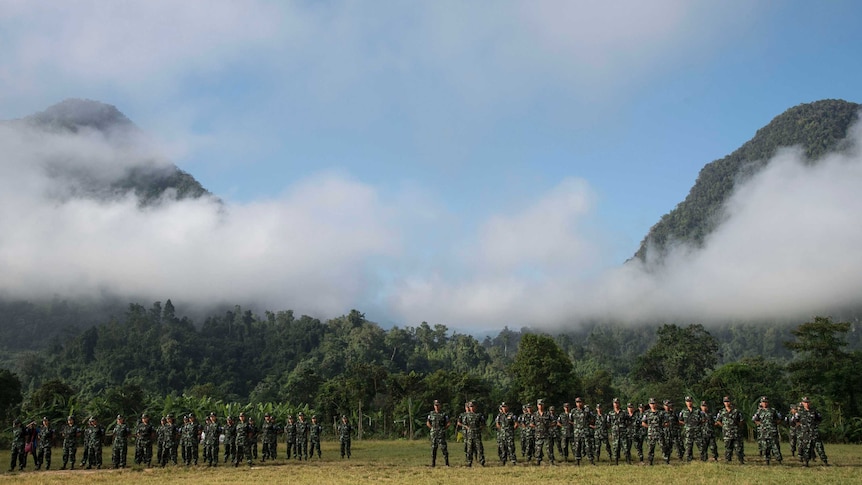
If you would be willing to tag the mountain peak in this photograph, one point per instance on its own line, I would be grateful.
(74, 113)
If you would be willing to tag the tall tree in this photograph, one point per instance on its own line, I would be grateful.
(542, 370)
(687, 354)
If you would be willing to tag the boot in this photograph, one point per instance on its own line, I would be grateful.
(447, 459)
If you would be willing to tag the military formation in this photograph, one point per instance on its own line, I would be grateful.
(582, 433)
(174, 442)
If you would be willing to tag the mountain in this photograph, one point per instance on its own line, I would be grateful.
(819, 128)
(148, 175)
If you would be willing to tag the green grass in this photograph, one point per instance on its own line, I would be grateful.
(407, 462)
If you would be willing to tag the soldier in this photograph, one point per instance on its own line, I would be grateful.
(636, 431)
(655, 421)
(230, 440)
(673, 432)
(211, 440)
(600, 434)
(438, 423)
(691, 419)
(290, 436)
(183, 439)
(190, 440)
(707, 434)
(169, 441)
(461, 430)
(527, 421)
(808, 421)
(70, 436)
(302, 437)
(120, 445)
(243, 441)
(506, 422)
(269, 437)
(470, 425)
(18, 456)
(93, 438)
(792, 434)
(543, 422)
(730, 420)
(160, 439)
(554, 431)
(314, 431)
(46, 440)
(523, 426)
(345, 434)
(144, 441)
(767, 420)
(618, 429)
(564, 423)
(254, 436)
(582, 427)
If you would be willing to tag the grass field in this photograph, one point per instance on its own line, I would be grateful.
(407, 462)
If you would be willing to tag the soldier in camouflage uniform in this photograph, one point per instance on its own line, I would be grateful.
(302, 437)
(120, 444)
(808, 422)
(144, 441)
(460, 429)
(94, 434)
(18, 456)
(636, 431)
(655, 421)
(554, 432)
(46, 440)
(190, 440)
(345, 434)
(618, 423)
(254, 436)
(183, 439)
(269, 437)
(243, 435)
(523, 426)
(169, 437)
(707, 434)
(542, 423)
(674, 434)
(767, 420)
(160, 439)
(438, 423)
(290, 436)
(564, 424)
(730, 420)
(691, 419)
(600, 434)
(527, 421)
(506, 422)
(314, 431)
(792, 434)
(582, 429)
(70, 442)
(229, 440)
(472, 423)
(212, 432)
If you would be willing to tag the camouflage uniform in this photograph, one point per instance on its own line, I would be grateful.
(674, 434)
(808, 421)
(505, 423)
(144, 441)
(345, 434)
(169, 441)
(582, 427)
(564, 423)
(554, 432)
(302, 437)
(618, 423)
(472, 424)
(269, 437)
(438, 422)
(212, 431)
(543, 423)
(229, 440)
(46, 440)
(524, 427)
(314, 431)
(70, 442)
(190, 441)
(290, 436)
(691, 419)
(792, 433)
(600, 434)
(93, 436)
(243, 441)
(767, 420)
(253, 437)
(654, 420)
(707, 434)
(160, 440)
(730, 419)
(18, 456)
(636, 432)
(529, 431)
(120, 443)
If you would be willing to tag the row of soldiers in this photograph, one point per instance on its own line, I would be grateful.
(583, 433)
(240, 438)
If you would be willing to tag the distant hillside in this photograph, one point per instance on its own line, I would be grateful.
(148, 178)
(818, 127)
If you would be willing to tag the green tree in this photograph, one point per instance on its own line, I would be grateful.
(686, 354)
(542, 370)
(10, 394)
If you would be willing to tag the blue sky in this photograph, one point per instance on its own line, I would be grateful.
(462, 121)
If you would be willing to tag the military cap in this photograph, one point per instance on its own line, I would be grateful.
(314, 416)
(793, 406)
(16, 422)
(630, 405)
(652, 400)
(289, 416)
(170, 416)
(212, 413)
(436, 402)
(301, 414)
(70, 418)
(616, 400)
(577, 399)
(805, 399)
(703, 403)
(503, 404)
(266, 415)
(145, 415)
(566, 405)
(540, 402)
(763, 399)
(343, 416)
(91, 418)
(191, 415)
(598, 405)
(45, 418)
(726, 399)
(666, 402)
(241, 414)
(552, 408)
(120, 416)
(688, 399)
